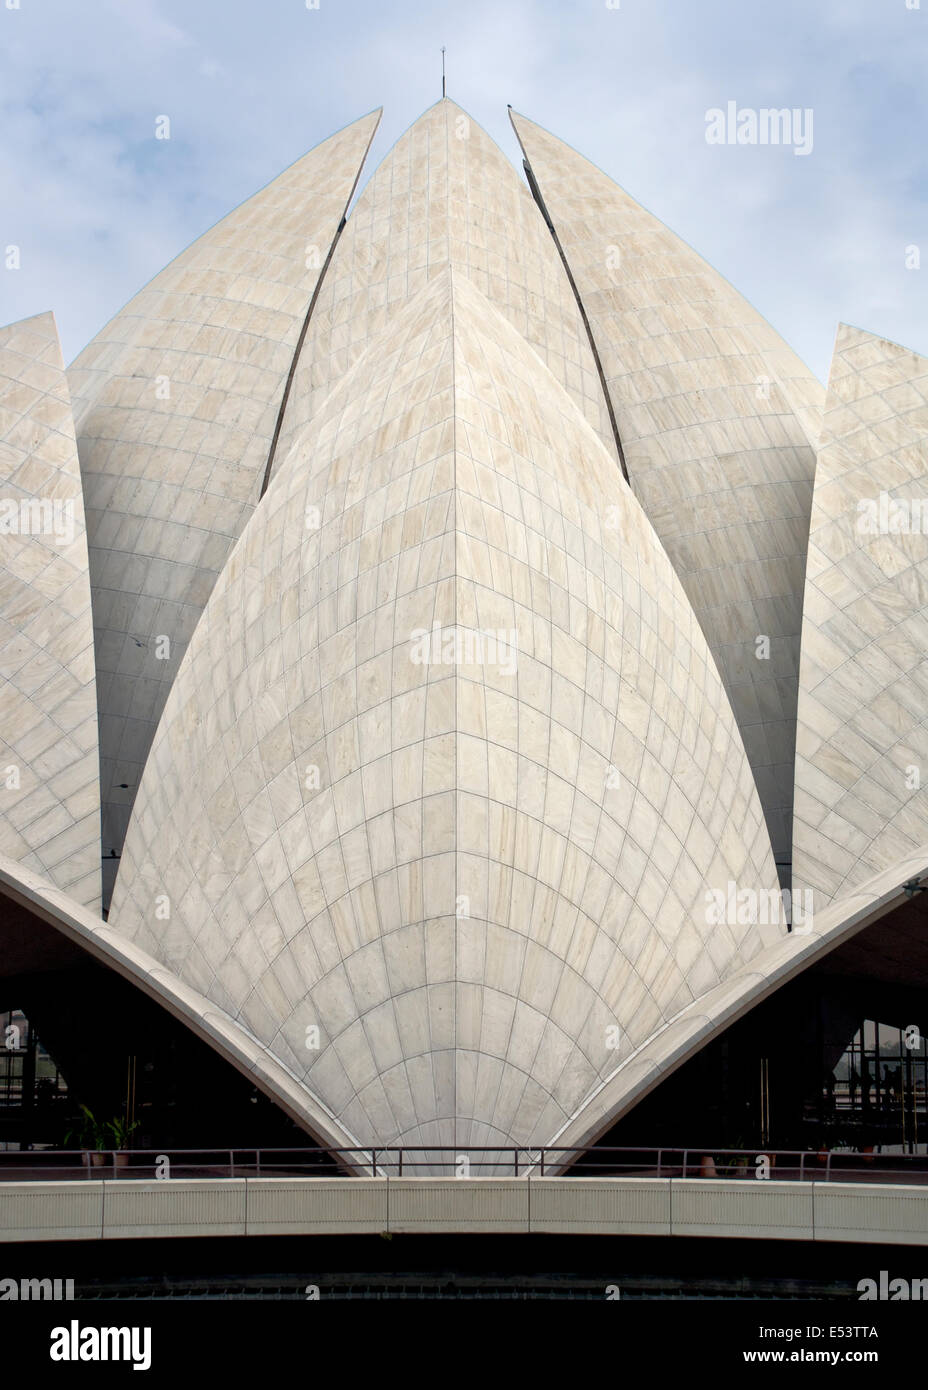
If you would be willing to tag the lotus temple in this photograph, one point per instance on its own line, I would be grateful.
(464, 691)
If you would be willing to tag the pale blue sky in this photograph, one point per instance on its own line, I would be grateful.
(97, 205)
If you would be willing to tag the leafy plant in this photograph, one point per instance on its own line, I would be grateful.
(734, 1162)
(121, 1131)
(88, 1132)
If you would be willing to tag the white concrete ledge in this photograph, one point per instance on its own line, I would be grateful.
(609, 1206)
(71, 1211)
(181, 1207)
(458, 1204)
(868, 1212)
(315, 1206)
(746, 1209)
(749, 1208)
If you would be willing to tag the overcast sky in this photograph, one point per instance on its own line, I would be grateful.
(98, 205)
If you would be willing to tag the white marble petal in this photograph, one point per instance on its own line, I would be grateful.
(49, 758)
(718, 419)
(176, 404)
(444, 195)
(862, 740)
(474, 880)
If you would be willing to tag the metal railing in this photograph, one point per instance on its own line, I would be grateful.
(449, 1161)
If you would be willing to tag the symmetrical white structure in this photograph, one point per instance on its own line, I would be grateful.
(459, 870)
(458, 730)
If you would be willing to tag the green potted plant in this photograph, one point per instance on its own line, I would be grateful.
(121, 1132)
(736, 1161)
(90, 1135)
